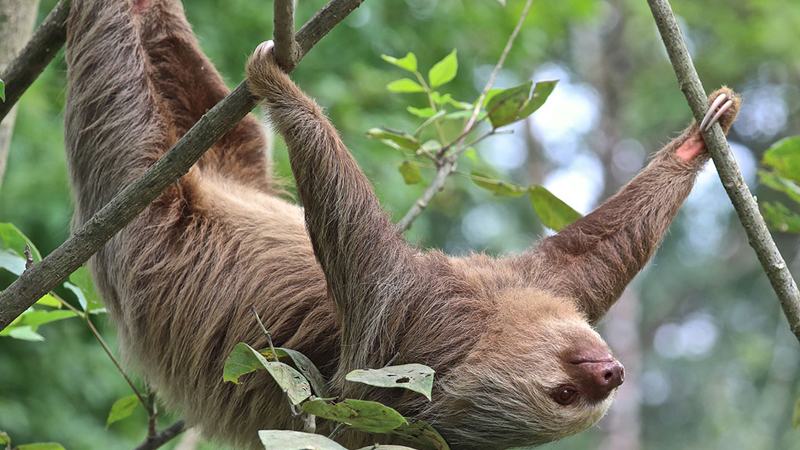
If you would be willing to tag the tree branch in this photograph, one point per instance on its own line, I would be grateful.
(448, 163)
(162, 437)
(746, 207)
(56, 267)
(286, 48)
(37, 54)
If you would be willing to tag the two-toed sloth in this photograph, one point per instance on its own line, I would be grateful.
(517, 360)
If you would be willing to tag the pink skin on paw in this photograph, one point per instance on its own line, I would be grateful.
(691, 149)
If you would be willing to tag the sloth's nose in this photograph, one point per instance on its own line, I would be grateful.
(601, 377)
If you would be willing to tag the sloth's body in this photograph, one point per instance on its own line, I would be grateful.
(517, 360)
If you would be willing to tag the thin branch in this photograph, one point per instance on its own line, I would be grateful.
(448, 163)
(741, 197)
(35, 56)
(286, 48)
(43, 277)
(162, 437)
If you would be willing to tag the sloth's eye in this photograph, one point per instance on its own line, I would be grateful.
(564, 395)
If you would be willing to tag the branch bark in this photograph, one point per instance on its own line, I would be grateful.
(286, 48)
(37, 54)
(56, 267)
(162, 437)
(17, 18)
(746, 207)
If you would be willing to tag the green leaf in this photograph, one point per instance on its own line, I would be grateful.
(440, 99)
(13, 239)
(796, 415)
(553, 213)
(22, 333)
(121, 409)
(465, 115)
(425, 113)
(408, 62)
(414, 377)
(4, 439)
(410, 172)
(371, 417)
(34, 318)
(49, 300)
(41, 446)
(496, 186)
(400, 138)
(290, 380)
(541, 91)
(2, 90)
(305, 366)
(244, 359)
(83, 280)
(504, 107)
(12, 262)
(443, 71)
(404, 86)
(777, 182)
(780, 218)
(784, 157)
(422, 435)
(296, 440)
(241, 361)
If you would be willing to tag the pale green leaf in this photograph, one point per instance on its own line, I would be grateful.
(49, 300)
(443, 71)
(296, 440)
(554, 213)
(411, 173)
(13, 239)
(408, 62)
(22, 333)
(83, 280)
(404, 86)
(425, 113)
(4, 439)
(784, 157)
(12, 262)
(777, 182)
(780, 218)
(496, 186)
(368, 416)
(414, 377)
(400, 138)
(121, 409)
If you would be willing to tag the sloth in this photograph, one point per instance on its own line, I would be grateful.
(511, 338)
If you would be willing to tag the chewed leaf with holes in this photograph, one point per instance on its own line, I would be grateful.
(296, 440)
(414, 377)
(422, 435)
(371, 417)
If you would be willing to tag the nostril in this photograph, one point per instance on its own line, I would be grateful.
(608, 375)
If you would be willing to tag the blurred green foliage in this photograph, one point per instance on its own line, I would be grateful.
(718, 366)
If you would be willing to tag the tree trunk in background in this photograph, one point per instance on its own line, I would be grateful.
(17, 18)
(602, 58)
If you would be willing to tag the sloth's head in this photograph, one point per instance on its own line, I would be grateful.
(554, 376)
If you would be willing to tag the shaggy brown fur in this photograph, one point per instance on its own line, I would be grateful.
(504, 335)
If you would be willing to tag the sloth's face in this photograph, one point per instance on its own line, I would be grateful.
(541, 374)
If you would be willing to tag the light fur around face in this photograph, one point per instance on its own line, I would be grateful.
(510, 338)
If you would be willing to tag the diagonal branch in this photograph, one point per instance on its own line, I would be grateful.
(23, 70)
(56, 267)
(741, 197)
(286, 48)
(162, 437)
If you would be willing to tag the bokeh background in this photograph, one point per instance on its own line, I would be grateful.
(709, 357)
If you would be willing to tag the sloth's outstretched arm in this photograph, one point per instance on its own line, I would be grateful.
(353, 238)
(595, 258)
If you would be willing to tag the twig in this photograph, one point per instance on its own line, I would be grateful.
(448, 163)
(152, 413)
(56, 267)
(28, 257)
(162, 437)
(746, 207)
(35, 56)
(286, 48)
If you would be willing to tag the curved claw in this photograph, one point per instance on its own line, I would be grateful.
(728, 105)
(264, 48)
(708, 118)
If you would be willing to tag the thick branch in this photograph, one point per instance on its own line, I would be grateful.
(162, 437)
(37, 54)
(286, 48)
(56, 267)
(746, 206)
